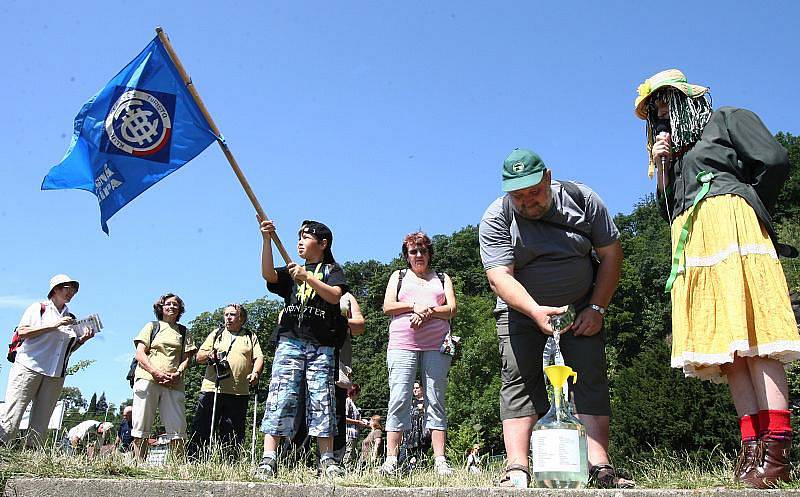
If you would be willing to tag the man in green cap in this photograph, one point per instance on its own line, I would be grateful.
(538, 243)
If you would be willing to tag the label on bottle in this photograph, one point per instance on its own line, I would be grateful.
(555, 450)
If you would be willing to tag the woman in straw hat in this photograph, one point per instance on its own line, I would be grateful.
(49, 337)
(719, 174)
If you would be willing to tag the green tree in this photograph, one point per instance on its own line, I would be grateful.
(92, 410)
(73, 396)
(787, 210)
(639, 312)
(788, 206)
(654, 406)
(368, 284)
(102, 405)
(474, 380)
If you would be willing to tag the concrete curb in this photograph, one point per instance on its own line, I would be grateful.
(93, 487)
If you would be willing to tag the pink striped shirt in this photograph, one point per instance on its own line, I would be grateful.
(430, 335)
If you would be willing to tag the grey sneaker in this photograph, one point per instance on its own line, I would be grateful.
(443, 469)
(328, 467)
(267, 469)
(388, 468)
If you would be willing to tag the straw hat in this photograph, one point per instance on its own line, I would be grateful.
(670, 77)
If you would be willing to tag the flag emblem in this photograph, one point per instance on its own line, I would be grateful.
(140, 127)
(139, 123)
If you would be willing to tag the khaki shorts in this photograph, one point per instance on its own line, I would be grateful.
(147, 396)
(522, 392)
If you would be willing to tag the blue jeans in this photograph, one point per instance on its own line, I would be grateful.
(403, 365)
(295, 359)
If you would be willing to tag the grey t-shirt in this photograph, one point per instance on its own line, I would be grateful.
(554, 265)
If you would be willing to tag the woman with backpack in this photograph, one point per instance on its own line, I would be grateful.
(421, 303)
(163, 350)
(43, 342)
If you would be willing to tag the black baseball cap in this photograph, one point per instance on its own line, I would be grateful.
(321, 232)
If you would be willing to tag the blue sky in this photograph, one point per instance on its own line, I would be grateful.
(377, 118)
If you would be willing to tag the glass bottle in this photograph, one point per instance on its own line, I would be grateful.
(558, 441)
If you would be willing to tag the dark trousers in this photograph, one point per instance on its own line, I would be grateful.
(229, 426)
(340, 440)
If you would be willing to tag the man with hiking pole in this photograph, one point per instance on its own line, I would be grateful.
(234, 363)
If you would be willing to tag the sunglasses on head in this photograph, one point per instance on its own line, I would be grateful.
(306, 227)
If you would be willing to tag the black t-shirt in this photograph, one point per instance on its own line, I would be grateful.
(319, 318)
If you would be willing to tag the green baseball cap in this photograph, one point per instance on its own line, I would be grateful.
(521, 169)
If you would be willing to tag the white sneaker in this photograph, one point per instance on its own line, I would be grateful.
(389, 468)
(443, 469)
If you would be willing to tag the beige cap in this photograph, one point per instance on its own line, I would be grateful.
(60, 279)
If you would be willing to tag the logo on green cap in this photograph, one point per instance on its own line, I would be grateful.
(521, 169)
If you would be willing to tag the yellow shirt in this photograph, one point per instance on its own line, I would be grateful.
(164, 350)
(242, 355)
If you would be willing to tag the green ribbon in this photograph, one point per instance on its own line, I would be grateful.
(705, 179)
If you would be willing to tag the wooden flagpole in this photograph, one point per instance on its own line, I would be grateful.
(224, 146)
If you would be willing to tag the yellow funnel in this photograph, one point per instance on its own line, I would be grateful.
(558, 375)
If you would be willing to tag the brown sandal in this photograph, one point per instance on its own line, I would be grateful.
(606, 476)
(506, 480)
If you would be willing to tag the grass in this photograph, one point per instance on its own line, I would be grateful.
(658, 470)
(52, 463)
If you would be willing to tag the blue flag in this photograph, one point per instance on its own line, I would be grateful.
(143, 125)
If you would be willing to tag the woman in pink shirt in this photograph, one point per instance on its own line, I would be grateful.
(421, 302)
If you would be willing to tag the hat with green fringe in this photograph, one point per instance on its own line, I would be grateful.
(670, 77)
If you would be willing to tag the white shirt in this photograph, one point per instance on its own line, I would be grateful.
(47, 353)
(352, 412)
(82, 429)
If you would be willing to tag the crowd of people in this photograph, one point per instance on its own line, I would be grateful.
(545, 244)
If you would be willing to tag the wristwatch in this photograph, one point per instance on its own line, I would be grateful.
(601, 310)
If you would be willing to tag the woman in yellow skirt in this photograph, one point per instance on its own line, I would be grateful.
(719, 174)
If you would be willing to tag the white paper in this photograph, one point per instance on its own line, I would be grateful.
(91, 321)
(556, 451)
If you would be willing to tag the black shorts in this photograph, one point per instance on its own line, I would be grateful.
(523, 393)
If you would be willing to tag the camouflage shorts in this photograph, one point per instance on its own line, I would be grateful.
(295, 360)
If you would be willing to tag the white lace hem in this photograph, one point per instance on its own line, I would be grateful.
(707, 366)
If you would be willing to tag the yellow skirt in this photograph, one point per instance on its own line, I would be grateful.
(731, 295)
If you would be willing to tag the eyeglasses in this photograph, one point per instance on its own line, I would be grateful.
(69, 286)
(420, 251)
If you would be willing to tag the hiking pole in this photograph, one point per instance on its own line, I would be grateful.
(255, 417)
(214, 409)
